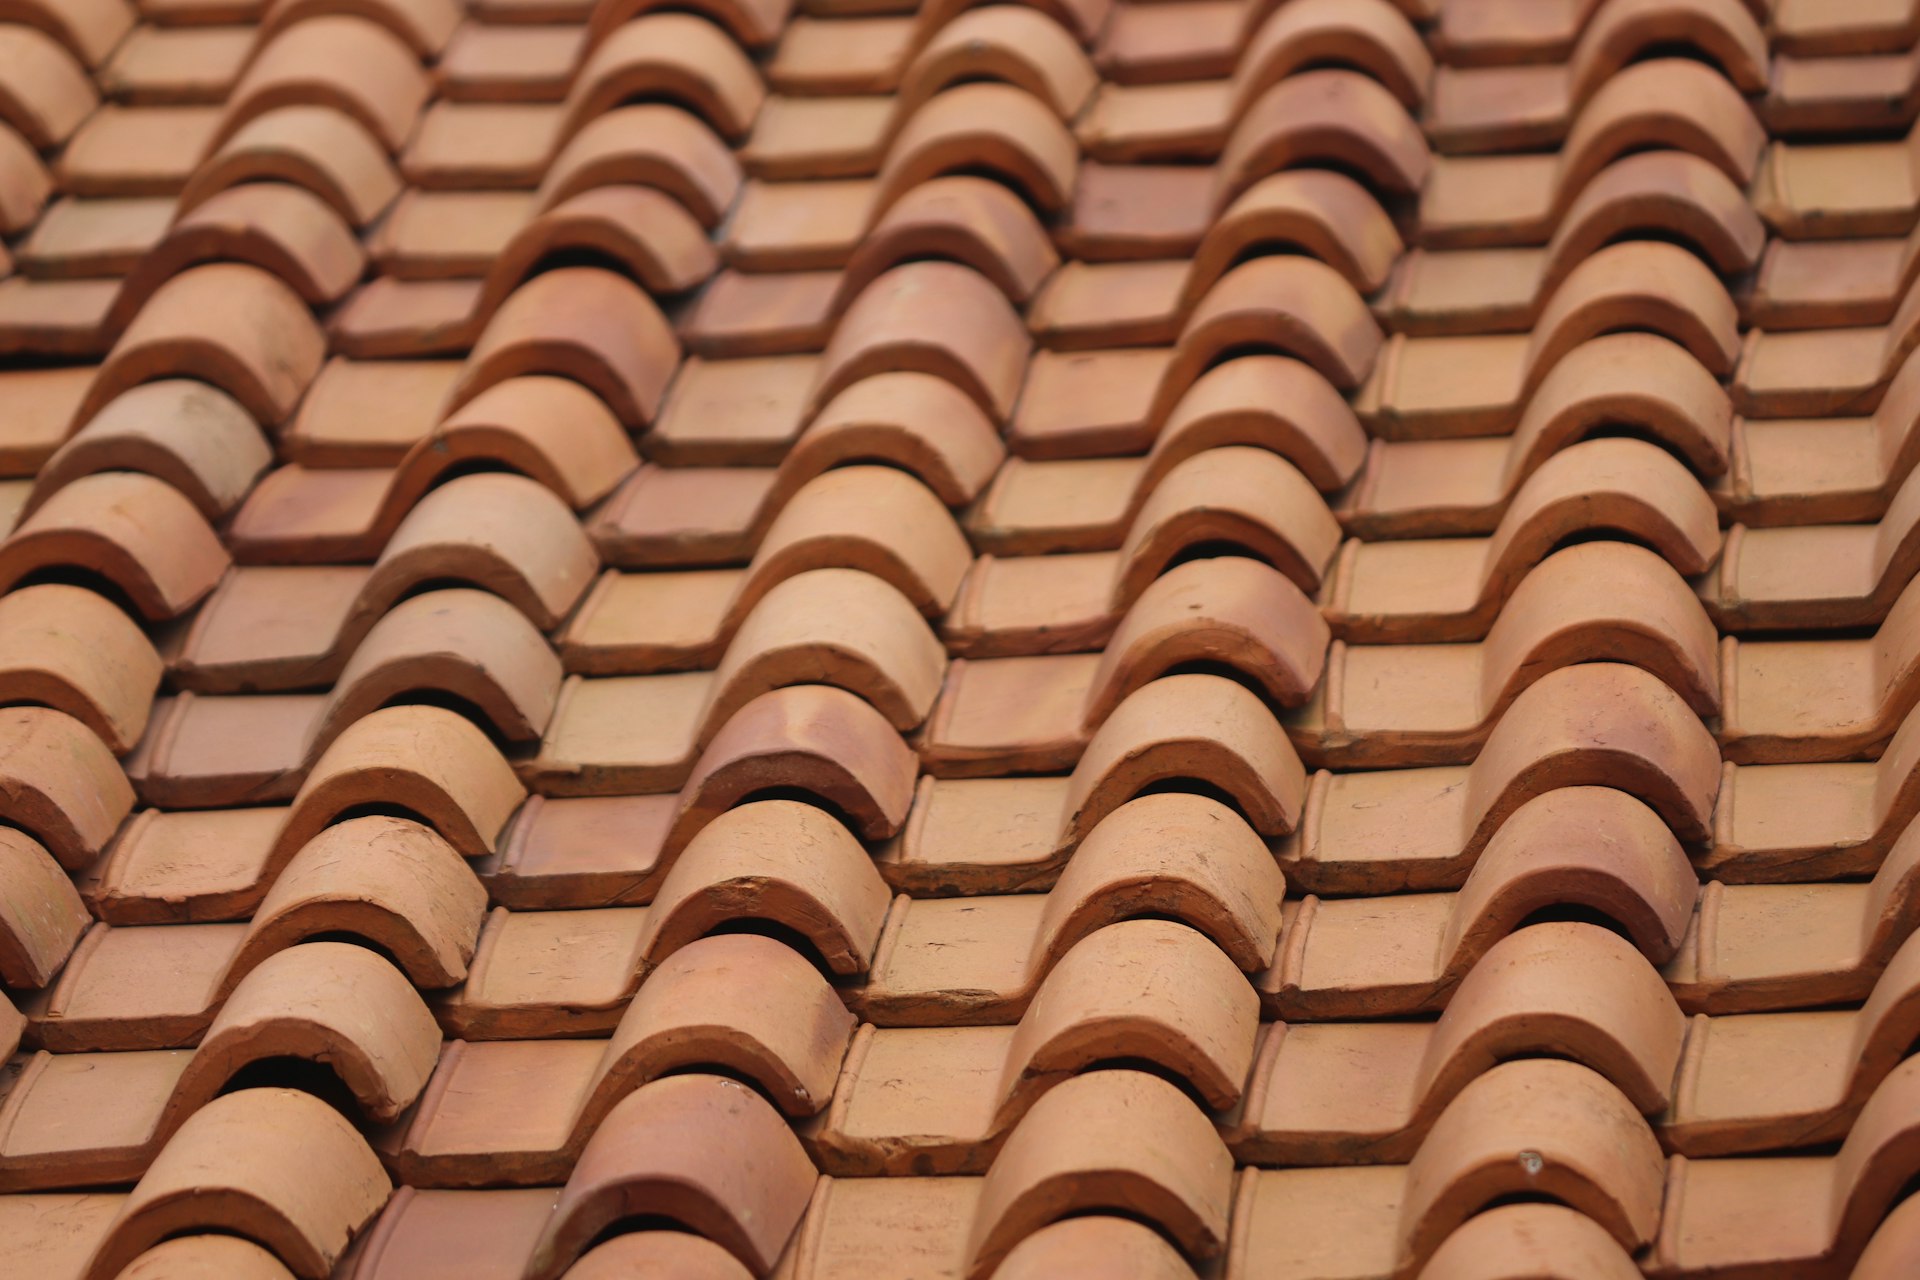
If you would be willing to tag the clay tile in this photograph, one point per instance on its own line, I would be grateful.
(1024, 47)
(424, 25)
(389, 881)
(1453, 589)
(323, 150)
(70, 649)
(1372, 37)
(469, 644)
(879, 520)
(1538, 1128)
(1181, 856)
(194, 436)
(506, 533)
(658, 1255)
(1625, 31)
(591, 325)
(1516, 1241)
(751, 1006)
(283, 228)
(1894, 1250)
(1271, 403)
(1116, 1247)
(275, 1166)
(331, 1003)
(753, 23)
(704, 1151)
(1671, 194)
(649, 145)
(812, 738)
(1670, 103)
(832, 626)
(60, 784)
(1300, 306)
(90, 28)
(914, 421)
(1120, 1141)
(11, 1026)
(673, 56)
(1239, 494)
(930, 317)
(1562, 990)
(1327, 214)
(427, 760)
(740, 867)
(973, 221)
(41, 915)
(339, 61)
(1190, 726)
(1225, 611)
(993, 128)
(1642, 284)
(230, 324)
(1624, 381)
(44, 93)
(1139, 990)
(1338, 117)
(188, 1257)
(1603, 723)
(25, 184)
(135, 531)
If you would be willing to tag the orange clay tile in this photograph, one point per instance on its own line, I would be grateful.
(1845, 27)
(62, 784)
(510, 62)
(1596, 724)
(27, 183)
(344, 62)
(1813, 1213)
(286, 626)
(46, 91)
(1518, 108)
(1369, 1092)
(700, 1150)
(137, 151)
(1515, 1240)
(87, 28)
(1821, 284)
(550, 429)
(1036, 714)
(41, 918)
(1192, 119)
(1235, 494)
(1619, 383)
(192, 435)
(838, 628)
(1828, 699)
(1587, 849)
(941, 1100)
(176, 66)
(875, 519)
(367, 413)
(914, 422)
(232, 325)
(745, 1003)
(1894, 1248)
(1524, 1130)
(323, 150)
(276, 1165)
(94, 238)
(1264, 402)
(1320, 212)
(1671, 195)
(820, 744)
(641, 228)
(1399, 705)
(1454, 588)
(67, 648)
(1426, 388)
(329, 1003)
(977, 834)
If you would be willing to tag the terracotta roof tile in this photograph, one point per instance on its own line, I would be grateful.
(1206, 640)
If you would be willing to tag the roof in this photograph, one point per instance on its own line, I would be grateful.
(1135, 638)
